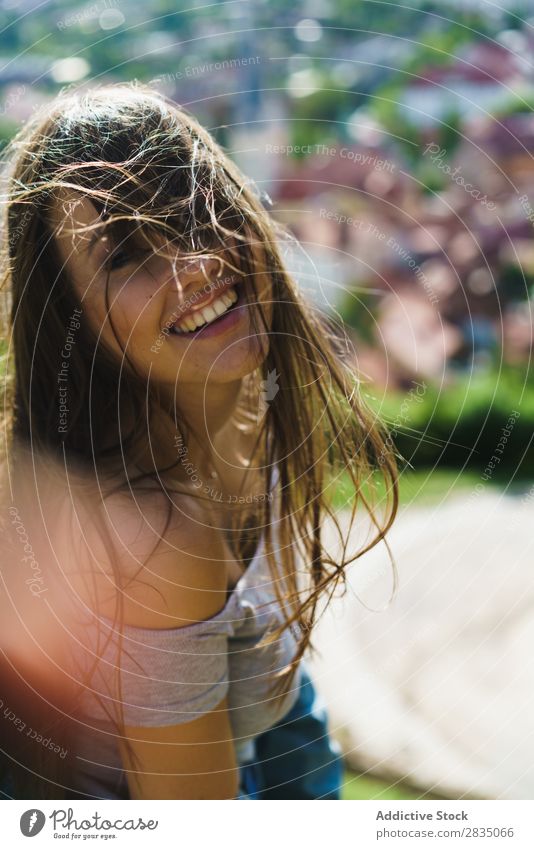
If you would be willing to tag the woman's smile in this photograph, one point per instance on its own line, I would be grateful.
(220, 314)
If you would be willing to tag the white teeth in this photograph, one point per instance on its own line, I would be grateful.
(208, 313)
(220, 307)
(204, 316)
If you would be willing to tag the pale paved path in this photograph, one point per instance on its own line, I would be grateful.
(439, 688)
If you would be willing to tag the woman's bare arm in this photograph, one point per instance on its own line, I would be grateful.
(195, 760)
(182, 582)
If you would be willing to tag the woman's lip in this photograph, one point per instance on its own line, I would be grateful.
(215, 292)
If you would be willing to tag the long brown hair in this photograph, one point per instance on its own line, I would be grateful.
(153, 172)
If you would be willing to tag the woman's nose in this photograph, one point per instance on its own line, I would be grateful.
(197, 272)
(203, 268)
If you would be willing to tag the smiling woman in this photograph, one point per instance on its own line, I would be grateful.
(171, 471)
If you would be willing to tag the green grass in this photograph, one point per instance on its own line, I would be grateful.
(358, 786)
(424, 487)
(431, 486)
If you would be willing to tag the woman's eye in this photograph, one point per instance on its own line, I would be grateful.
(119, 259)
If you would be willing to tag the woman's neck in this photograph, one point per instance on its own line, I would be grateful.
(206, 412)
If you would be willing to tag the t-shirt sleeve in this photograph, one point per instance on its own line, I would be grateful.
(158, 677)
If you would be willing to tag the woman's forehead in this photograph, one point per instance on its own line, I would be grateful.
(68, 212)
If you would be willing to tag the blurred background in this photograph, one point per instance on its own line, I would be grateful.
(396, 143)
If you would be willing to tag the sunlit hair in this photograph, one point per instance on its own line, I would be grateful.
(158, 180)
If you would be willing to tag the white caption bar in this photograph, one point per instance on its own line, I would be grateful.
(269, 824)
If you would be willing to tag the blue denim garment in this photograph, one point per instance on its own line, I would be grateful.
(296, 758)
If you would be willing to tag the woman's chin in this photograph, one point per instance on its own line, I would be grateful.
(232, 362)
(235, 364)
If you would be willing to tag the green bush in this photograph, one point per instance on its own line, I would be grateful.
(463, 425)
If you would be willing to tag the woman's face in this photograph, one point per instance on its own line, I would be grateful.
(156, 298)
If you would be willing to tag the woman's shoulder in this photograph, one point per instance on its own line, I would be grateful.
(160, 559)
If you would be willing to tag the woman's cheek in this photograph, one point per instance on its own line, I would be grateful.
(136, 309)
